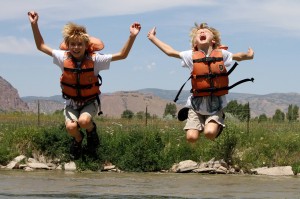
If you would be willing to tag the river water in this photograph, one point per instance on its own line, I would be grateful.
(61, 184)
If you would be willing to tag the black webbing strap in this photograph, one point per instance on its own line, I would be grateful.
(209, 76)
(87, 86)
(78, 70)
(240, 82)
(178, 93)
(80, 98)
(232, 68)
(214, 89)
(100, 78)
(208, 59)
(78, 86)
(225, 74)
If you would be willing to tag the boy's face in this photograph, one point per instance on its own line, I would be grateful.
(204, 37)
(77, 48)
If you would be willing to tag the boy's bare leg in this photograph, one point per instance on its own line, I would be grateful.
(211, 130)
(192, 135)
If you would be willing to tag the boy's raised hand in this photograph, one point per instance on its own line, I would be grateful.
(250, 53)
(151, 33)
(33, 17)
(135, 29)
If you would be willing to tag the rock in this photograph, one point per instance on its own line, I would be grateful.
(274, 171)
(32, 160)
(216, 165)
(37, 165)
(51, 165)
(221, 170)
(203, 165)
(211, 163)
(10, 99)
(12, 165)
(70, 166)
(186, 166)
(19, 158)
(28, 169)
(15, 162)
(110, 167)
(223, 163)
(204, 170)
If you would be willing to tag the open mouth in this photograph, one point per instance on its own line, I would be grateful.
(75, 52)
(202, 37)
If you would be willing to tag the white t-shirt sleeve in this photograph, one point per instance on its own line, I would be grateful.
(227, 58)
(58, 58)
(102, 62)
(186, 59)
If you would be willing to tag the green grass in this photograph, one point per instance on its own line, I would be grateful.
(133, 146)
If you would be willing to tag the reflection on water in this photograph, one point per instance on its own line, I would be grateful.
(60, 184)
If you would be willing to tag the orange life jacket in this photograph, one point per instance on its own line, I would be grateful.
(80, 83)
(209, 74)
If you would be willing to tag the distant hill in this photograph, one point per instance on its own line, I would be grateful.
(113, 104)
(10, 99)
(259, 104)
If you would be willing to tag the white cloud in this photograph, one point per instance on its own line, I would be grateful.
(172, 72)
(14, 45)
(67, 9)
(151, 66)
(265, 13)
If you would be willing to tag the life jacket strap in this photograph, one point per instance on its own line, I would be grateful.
(211, 76)
(178, 93)
(214, 89)
(78, 70)
(208, 59)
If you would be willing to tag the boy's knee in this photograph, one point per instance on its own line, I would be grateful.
(210, 135)
(192, 135)
(211, 130)
(85, 122)
(71, 126)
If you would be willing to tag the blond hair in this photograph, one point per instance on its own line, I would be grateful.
(216, 35)
(74, 31)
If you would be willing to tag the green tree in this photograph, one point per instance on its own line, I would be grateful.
(141, 115)
(293, 113)
(278, 116)
(242, 112)
(262, 118)
(128, 114)
(170, 109)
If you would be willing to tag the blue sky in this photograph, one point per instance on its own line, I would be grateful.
(270, 27)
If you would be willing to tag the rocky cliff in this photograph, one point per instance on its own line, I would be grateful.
(113, 104)
(10, 99)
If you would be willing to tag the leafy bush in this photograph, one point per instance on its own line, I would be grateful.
(133, 146)
(53, 142)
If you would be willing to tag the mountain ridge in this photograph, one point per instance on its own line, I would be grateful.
(113, 104)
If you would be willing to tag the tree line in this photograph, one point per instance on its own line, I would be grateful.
(240, 111)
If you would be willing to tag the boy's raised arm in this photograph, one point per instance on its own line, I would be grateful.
(168, 50)
(39, 41)
(244, 56)
(134, 31)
